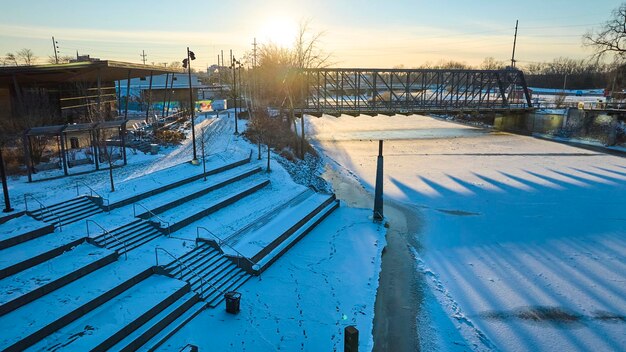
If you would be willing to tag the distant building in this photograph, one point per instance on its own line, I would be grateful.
(169, 88)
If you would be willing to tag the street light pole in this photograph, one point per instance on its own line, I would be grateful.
(187, 64)
(203, 158)
(233, 66)
(5, 188)
(240, 68)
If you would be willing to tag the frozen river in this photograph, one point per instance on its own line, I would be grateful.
(497, 241)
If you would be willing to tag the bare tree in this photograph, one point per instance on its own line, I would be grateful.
(9, 60)
(61, 59)
(27, 56)
(611, 37)
(490, 63)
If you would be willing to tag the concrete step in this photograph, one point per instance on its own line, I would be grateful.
(37, 212)
(22, 229)
(139, 197)
(189, 256)
(180, 217)
(30, 284)
(83, 214)
(172, 328)
(287, 225)
(193, 261)
(236, 281)
(195, 190)
(36, 251)
(154, 326)
(114, 320)
(290, 238)
(136, 243)
(135, 228)
(22, 328)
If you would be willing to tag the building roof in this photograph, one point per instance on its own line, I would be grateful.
(56, 130)
(79, 72)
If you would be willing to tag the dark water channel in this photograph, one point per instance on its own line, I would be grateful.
(400, 292)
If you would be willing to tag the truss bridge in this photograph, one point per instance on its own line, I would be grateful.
(355, 91)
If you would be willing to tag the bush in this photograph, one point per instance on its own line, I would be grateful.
(169, 136)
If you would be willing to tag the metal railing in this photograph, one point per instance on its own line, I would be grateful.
(107, 233)
(254, 266)
(153, 215)
(42, 207)
(183, 265)
(92, 192)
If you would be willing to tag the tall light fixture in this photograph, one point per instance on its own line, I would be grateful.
(187, 65)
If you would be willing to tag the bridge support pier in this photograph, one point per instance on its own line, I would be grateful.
(378, 193)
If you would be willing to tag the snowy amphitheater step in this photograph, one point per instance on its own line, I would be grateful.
(174, 180)
(186, 307)
(34, 321)
(34, 282)
(283, 246)
(172, 328)
(200, 207)
(114, 320)
(257, 241)
(67, 212)
(22, 229)
(128, 237)
(195, 189)
(209, 273)
(33, 252)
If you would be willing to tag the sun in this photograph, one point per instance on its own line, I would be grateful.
(281, 31)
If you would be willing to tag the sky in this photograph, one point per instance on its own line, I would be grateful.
(365, 33)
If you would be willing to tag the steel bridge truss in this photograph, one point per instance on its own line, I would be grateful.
(404, 91)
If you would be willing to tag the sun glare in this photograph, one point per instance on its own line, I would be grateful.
(281, 31)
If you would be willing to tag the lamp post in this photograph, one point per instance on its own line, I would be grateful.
(240, 68)
(233, 66)
(187, 65)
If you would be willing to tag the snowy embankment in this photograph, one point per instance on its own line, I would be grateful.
(523, 243)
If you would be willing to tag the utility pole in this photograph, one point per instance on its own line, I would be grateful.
(254, 53)
(55, 47)
(253, 80)
(143, 56)
(514, 42)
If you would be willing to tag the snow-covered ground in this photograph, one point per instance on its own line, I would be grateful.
(522, 243)
(304, 301)
(325, 282)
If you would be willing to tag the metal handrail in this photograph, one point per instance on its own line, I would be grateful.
(153, 215)
(104, 231)
(42, 207)
(221, 243)
(181, 264)
(91, 192)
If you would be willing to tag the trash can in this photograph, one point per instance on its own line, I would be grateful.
(154, 149)
(232, 302)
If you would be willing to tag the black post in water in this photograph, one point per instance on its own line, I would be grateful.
(378, 193)
(5, 187)
(351, 339)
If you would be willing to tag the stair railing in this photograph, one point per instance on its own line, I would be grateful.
(107, 233)
(182, 265)
(153, 215)
(253, 266)
(42, 208)
(91, 193)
